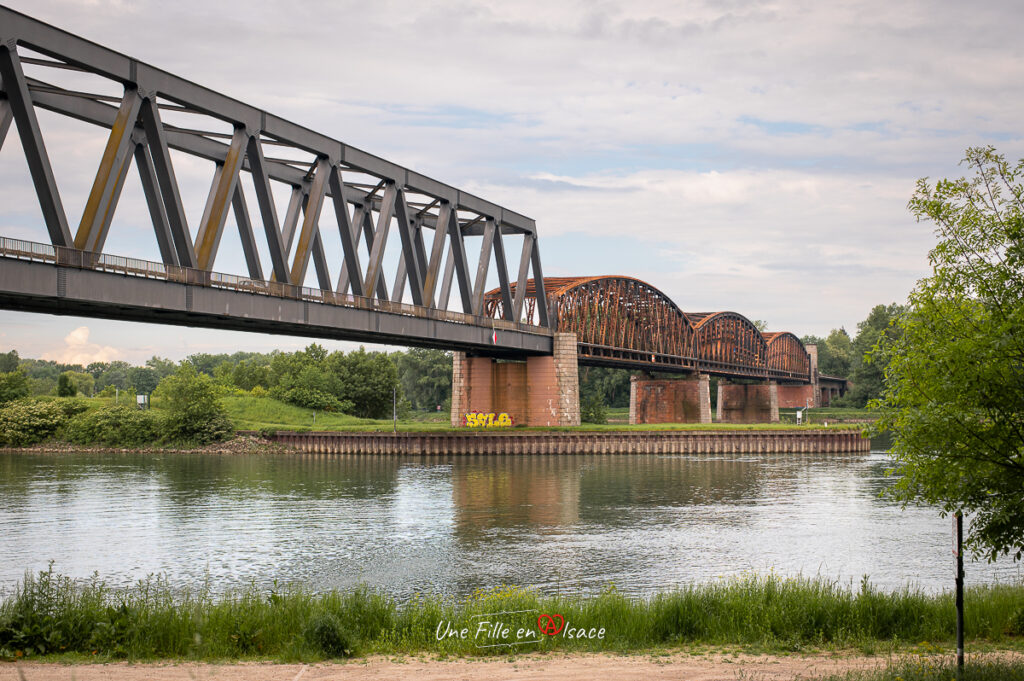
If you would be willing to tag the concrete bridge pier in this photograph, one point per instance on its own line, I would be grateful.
(540, 391)
(747, 402)
(686, 400)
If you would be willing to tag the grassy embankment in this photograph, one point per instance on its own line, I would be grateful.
(51, 617)
(258, 413)
(930, 668)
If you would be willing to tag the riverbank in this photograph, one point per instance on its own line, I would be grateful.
(543, 442)
(50, 617)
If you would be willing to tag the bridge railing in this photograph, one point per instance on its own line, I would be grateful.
(135, 267)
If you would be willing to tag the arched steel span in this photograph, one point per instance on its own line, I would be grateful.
(728, 342)
(625, 322)
(787, 355)
(619, 319)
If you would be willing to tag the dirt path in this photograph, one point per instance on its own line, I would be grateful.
(716, 667)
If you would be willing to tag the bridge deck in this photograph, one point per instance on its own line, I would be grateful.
(43, 278)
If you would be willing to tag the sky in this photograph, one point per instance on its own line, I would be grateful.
(737, 155)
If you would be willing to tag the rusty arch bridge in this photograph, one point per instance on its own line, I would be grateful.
(412, 260)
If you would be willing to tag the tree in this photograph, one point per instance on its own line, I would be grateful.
(13, 386)
(867, 371)
(426, 376)
(8, 362)
(368, 381)
(839, 355)
(954, 386)
(143, 379)
(65, 386)
(82, 381)
(193, 412)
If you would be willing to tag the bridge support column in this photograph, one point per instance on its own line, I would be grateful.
(798, 396)
(686, 400)
(542, 391)
(747, 403)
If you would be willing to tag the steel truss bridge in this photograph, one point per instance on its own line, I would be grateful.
(147, 113)
(625, 322)
(371, 202)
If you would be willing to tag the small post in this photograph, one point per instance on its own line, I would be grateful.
(394, 409)
(314, 418)
(958, 551)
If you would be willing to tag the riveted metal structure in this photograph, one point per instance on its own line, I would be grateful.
(615, 319)
(729, 343)
(625, 322)
(787, 355)
(148, 113)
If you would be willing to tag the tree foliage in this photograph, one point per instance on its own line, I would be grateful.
(193, 413)
(13, 386)
(954, 395)
(425, 375)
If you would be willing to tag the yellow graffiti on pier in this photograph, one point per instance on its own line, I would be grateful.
(501, 420)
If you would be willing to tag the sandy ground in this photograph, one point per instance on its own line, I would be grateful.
(589, 667)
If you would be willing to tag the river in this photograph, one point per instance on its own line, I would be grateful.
(451, 525)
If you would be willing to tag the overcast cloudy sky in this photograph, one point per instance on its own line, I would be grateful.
(744, 155)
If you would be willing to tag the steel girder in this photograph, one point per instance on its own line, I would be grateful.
(627, 323)
(372, 200)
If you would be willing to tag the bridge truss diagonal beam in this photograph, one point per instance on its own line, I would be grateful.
(375, 202)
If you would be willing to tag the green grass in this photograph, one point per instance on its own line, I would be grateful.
(925, 668)
(259, 413)
(51, 617)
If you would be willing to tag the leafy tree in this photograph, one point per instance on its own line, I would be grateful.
(83, 381)
(954, 395)
(162, 367)
(610, 387)
(425, 375)
(368, 381)
(868, 371)
(248, 374)
(8, 362)
(193, 412)
(13, 386)
(143, 379)
(115, 374)
(96, 369)
(65, 386)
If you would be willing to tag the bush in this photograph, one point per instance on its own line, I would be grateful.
(115, 426)
(309, 398)
(325, 634)
(193, 413)
(25, 423)
(592, 410)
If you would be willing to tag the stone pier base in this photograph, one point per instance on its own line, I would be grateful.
(798, 396)
(669, 401)
(540, 391)
(747, 403)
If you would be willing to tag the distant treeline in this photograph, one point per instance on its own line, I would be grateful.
(360, 383)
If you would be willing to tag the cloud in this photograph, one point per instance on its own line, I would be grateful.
(78, 350)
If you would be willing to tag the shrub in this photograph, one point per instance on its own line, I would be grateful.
(115, 426)
(259, 391)
(325, 634)
(25, 423)
(310, 398)
(592, 410)
(193, 413)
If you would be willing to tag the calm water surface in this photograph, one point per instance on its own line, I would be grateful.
(450, 525)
